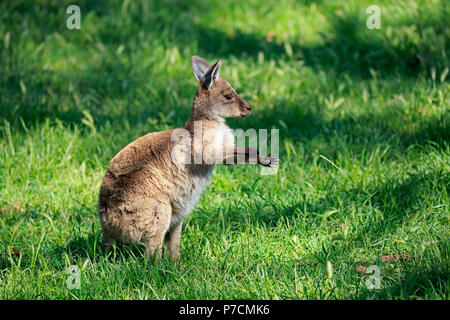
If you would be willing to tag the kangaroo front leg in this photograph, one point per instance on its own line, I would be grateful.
(249, 155)
(172, 242)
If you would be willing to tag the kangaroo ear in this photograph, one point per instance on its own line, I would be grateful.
(211, 75)
(199, 66)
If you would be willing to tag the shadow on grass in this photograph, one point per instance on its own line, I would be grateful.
(349, 49)
(417, 285)
(90, 247)
(303, 123)
(396, 200)
(424, 277)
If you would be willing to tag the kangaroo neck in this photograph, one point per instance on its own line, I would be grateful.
(201, 110)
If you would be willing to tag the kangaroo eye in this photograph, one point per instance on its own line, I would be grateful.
(228, 96)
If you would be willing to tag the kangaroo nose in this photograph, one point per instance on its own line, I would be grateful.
(248, 107)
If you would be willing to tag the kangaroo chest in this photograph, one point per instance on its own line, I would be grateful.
(208, 148)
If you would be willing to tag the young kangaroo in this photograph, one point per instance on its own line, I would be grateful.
(146, 193)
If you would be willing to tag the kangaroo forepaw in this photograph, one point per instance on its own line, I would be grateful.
(270, 162)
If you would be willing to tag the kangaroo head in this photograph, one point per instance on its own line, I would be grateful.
(215, 97)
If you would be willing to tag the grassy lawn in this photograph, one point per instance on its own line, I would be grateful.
(364, 127)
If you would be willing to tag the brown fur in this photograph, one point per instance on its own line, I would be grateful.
(145, 196)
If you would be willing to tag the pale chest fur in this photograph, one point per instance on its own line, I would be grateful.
(215, 142)
(196, 176)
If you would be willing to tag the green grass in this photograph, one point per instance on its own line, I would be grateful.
(364, 140)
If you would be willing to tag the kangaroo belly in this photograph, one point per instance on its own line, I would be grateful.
(189, 192)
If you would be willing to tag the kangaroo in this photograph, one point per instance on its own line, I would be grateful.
(146, 192)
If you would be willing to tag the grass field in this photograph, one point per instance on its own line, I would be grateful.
(364, 120)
